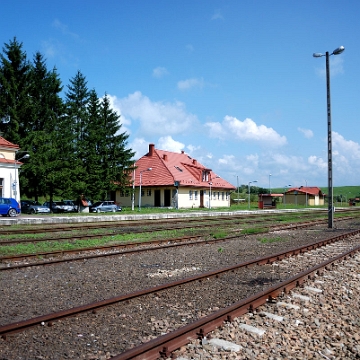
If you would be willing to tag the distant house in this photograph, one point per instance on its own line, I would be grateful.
(308, 196)
(169, 179)
(9, 180)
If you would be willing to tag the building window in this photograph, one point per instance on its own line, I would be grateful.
(142, 192)
(218, 195)
(196, 195)
(222, 196)
(190, 194)
(148, 192)
(205, 175)
(227, 196)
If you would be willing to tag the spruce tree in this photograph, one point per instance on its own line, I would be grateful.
(14, 88)
(77, 99)
(43, 135)
(116, 159)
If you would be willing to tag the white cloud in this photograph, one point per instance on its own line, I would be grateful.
(140, 146)
(317, 162)
(159, 72)
(246, 130)
(190, 83)
(124, 122)
(169, 144)
(349, 147)
(156, 118)
(307, 132)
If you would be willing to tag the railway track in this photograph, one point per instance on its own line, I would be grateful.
(54, 257)
(153, 223)
(144, 309)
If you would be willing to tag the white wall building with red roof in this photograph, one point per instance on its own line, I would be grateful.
(175, 180)
(9, 170)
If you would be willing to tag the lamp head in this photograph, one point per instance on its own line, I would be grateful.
(338, 51)
(318, 54)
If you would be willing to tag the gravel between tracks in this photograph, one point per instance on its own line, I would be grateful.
(41, 290)
(326, 324)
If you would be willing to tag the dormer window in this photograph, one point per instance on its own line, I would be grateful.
(178, 168)
(205, 175)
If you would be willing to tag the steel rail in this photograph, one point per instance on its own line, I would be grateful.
(50, 318)
(163, 346)
(142, 244)
(122, 223)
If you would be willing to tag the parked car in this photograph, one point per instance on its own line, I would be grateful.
(105, 206)
(72, 204)
(59, 207)
(9, 207)
(33, 207)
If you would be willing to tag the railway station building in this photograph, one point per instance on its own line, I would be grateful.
(174, 180)
(9, 170)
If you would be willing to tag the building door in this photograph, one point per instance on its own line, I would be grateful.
(157, 202)
(167, 197)
(201, 198)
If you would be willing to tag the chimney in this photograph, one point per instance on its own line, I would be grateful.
(194, 162)
(182, 151)
(165, 157)
(151, 149)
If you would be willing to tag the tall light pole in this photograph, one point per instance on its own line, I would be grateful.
(133, 191)
(337, 51)
(15, 184)
(237, 183)
(250, 182)
(286, 186)
(269, 184)
(148, 169)
(210, 183)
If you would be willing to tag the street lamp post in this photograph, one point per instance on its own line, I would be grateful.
(148, 169)
(337, 51)
(15, 184)
(210, 183)
(269, 184)
(250, 182)
(238, 190)
(133, 192)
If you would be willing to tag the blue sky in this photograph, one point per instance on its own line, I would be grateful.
(232, 83)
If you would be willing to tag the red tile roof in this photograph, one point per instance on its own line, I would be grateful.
(168, 167)
(310, 190)
(7, 144)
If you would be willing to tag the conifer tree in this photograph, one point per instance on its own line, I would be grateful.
(44, 137)
(116, 159)
(77, 99)
(14, 87)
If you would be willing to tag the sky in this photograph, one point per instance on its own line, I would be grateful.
(232, 83)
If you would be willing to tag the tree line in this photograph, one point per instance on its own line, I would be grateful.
(75, 142)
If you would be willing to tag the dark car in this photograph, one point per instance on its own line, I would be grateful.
(59, 207)
(33, 207)
(105, 206)
(9, 207)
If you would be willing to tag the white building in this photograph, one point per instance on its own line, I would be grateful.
(169, 179)
(9, 170)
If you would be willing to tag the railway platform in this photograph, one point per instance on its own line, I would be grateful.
(25, 219)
